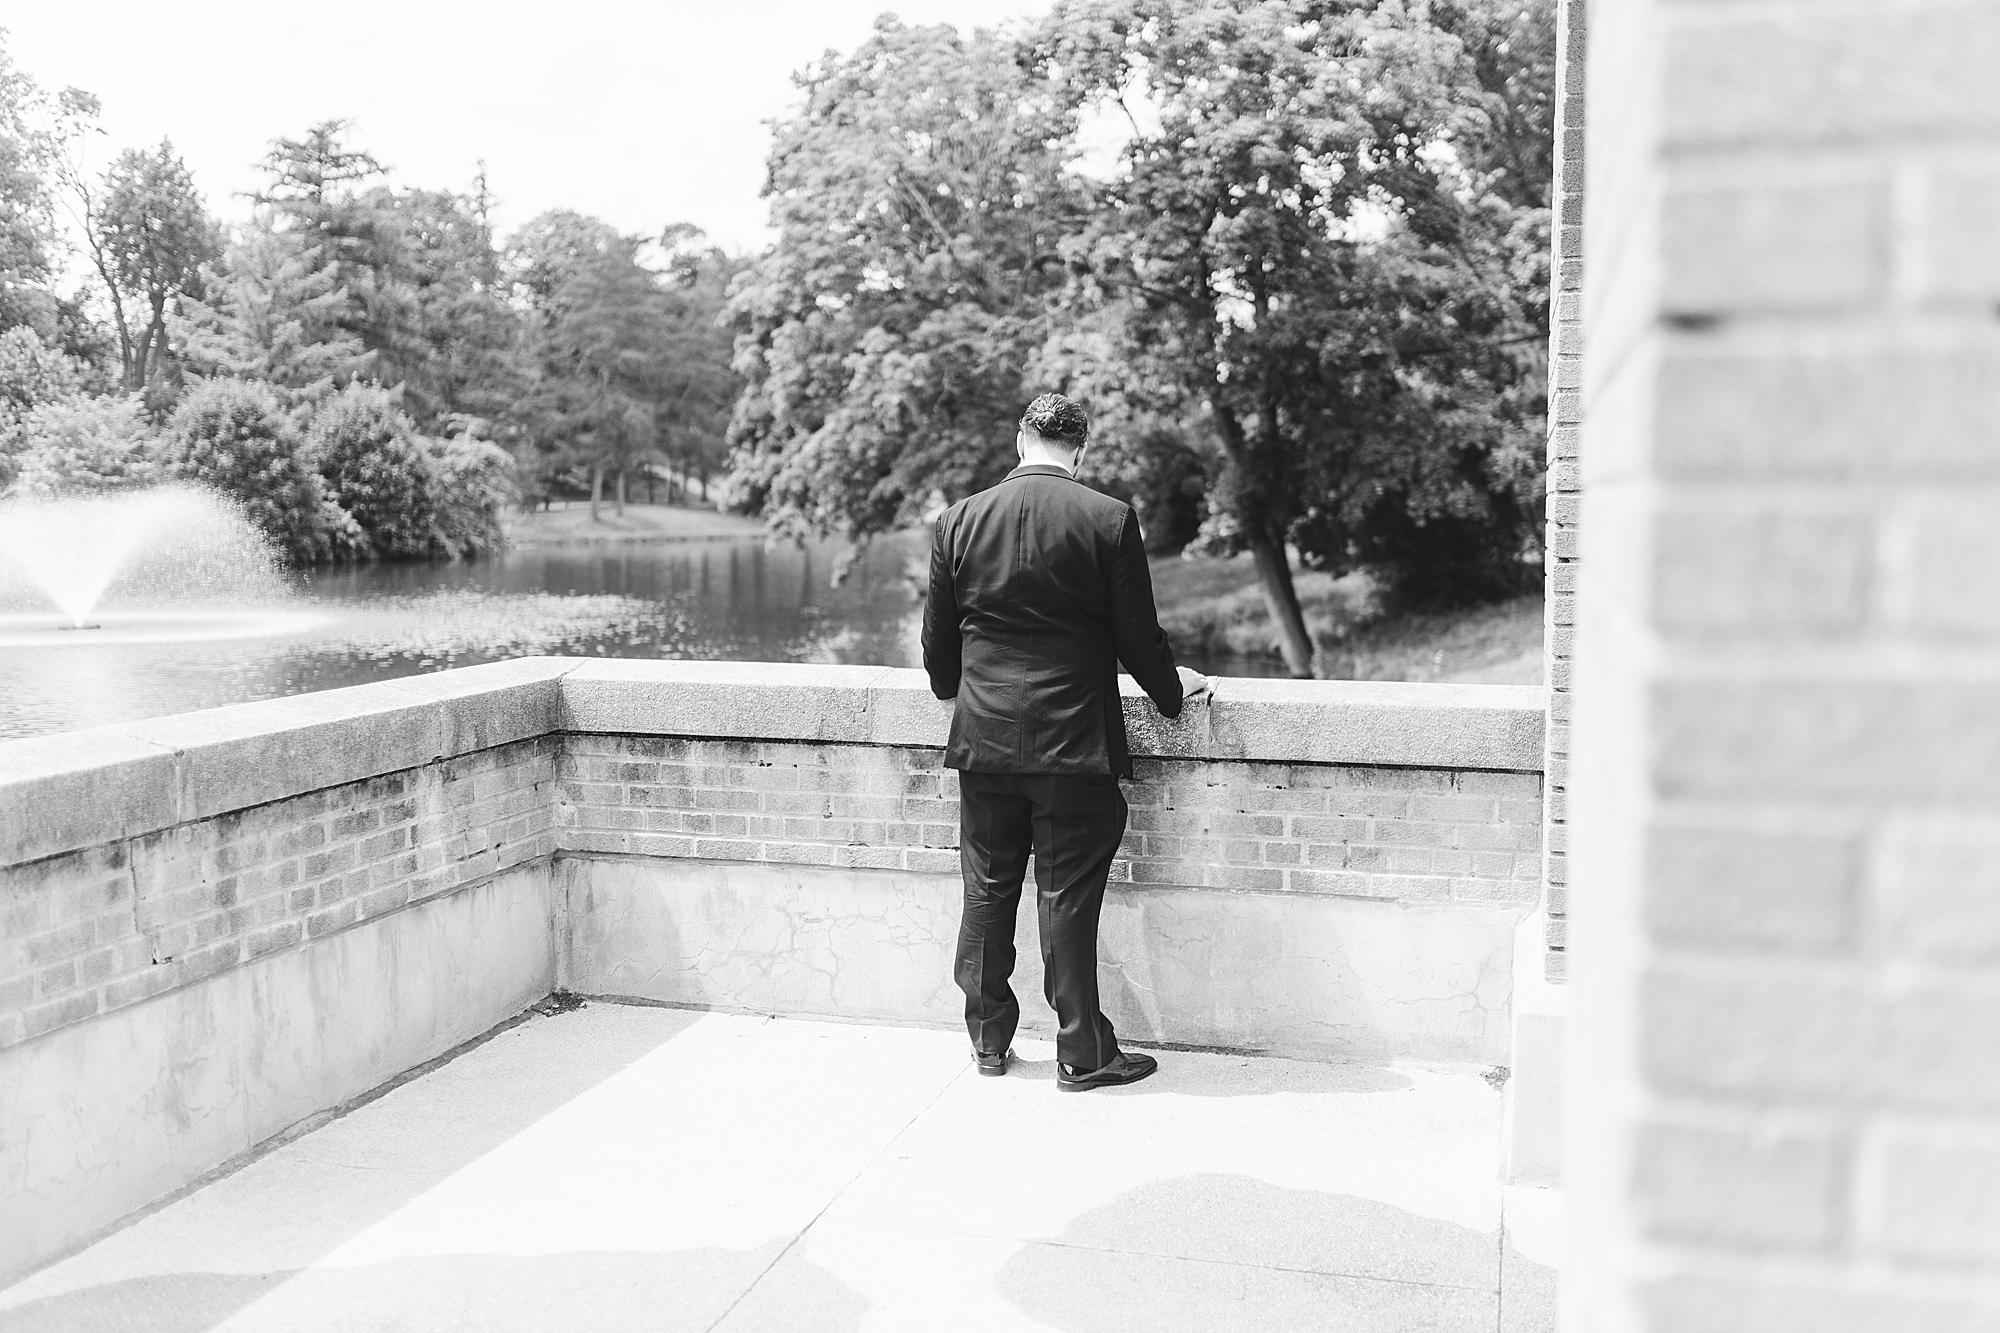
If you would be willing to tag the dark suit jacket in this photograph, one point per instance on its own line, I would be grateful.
(1039, 589)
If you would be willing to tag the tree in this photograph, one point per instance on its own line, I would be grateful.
(541, 259)
(1299, 243)
(606, 349)
(40, 136)
(27, 221)
(312, 191)
(456, 353)
(32, 375)
(88, 444)
(597, 338)
(419, 274)
(235, 435)
(884, 339)
(150, 236)
(552, 251)
(700, 384)
(1512, 45)
(314, 194)
(273, 315)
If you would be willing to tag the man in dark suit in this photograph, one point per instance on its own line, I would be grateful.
(1038, 591)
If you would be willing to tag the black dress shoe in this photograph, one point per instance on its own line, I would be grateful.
(1126, 1068)
(992, 1066)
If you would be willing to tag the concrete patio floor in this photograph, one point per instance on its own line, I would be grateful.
(619, 1167)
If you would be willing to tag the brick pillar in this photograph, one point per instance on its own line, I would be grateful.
(1565, 418)
(1784, 1077)
(1533, 1131)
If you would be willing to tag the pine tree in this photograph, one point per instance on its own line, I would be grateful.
(274, 314)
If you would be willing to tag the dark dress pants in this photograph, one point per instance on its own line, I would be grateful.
(1073, 825)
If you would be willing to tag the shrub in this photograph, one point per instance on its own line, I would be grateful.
(375, 466)
(476, 485)
(88, 444)
(33, 374)
(232, 434)
(411, 495)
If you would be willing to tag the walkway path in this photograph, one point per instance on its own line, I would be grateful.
(623, 1168)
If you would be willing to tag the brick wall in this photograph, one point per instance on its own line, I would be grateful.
(1564, 479)
(1409, 834)
(830, 805)
(1786, 1028)
(94, 930)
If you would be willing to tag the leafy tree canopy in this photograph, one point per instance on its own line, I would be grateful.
(1306, 244)
(1294, 245)
(152, 236)
(631, 362)
(919, 199)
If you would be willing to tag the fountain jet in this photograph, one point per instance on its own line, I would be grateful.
(168, 562)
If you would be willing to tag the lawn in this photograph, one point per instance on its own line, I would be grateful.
(1214, 609)
(569, 522)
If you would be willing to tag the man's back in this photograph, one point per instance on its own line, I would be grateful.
(1038, 590)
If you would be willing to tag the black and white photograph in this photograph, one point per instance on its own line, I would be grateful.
(1000, 666)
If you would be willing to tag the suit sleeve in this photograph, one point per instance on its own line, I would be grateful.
(944, 646)
(1135, 622)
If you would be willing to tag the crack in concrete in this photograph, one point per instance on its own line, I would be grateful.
(838, 1194)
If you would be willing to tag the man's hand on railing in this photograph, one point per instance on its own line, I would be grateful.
(1194, 685)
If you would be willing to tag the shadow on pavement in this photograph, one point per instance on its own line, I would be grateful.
(1214, 1252)
(199, 1299)
(1527, 1294)
(164, 1303)
(491, 1293)
(1246, 1076)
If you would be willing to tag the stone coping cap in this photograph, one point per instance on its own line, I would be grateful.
(82, 788)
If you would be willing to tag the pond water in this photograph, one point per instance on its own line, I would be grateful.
(741, 599)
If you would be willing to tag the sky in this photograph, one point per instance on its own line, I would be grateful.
(642, 114)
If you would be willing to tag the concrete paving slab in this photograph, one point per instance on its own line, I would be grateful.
(631, 1291)
(1098, 1291)
(737, 1132)
(896, 1279)
(635, 1168)
(1348, 1169)
(449, 1118)
(1530, 1259)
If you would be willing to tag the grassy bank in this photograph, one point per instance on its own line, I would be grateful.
(568, 522)
(1215, 609)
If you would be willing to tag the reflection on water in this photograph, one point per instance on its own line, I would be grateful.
(726, 599)
(722, 599)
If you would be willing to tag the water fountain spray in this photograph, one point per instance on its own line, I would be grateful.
(156, 565)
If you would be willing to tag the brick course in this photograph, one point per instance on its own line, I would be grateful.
(112, 925)
(1355, 831)
(94, 930)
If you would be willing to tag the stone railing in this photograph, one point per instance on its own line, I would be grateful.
(269, 909)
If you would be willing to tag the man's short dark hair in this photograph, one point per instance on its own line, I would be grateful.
(1054, 417)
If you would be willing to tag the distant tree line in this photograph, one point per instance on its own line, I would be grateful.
(1304, 292)
(367, 368)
